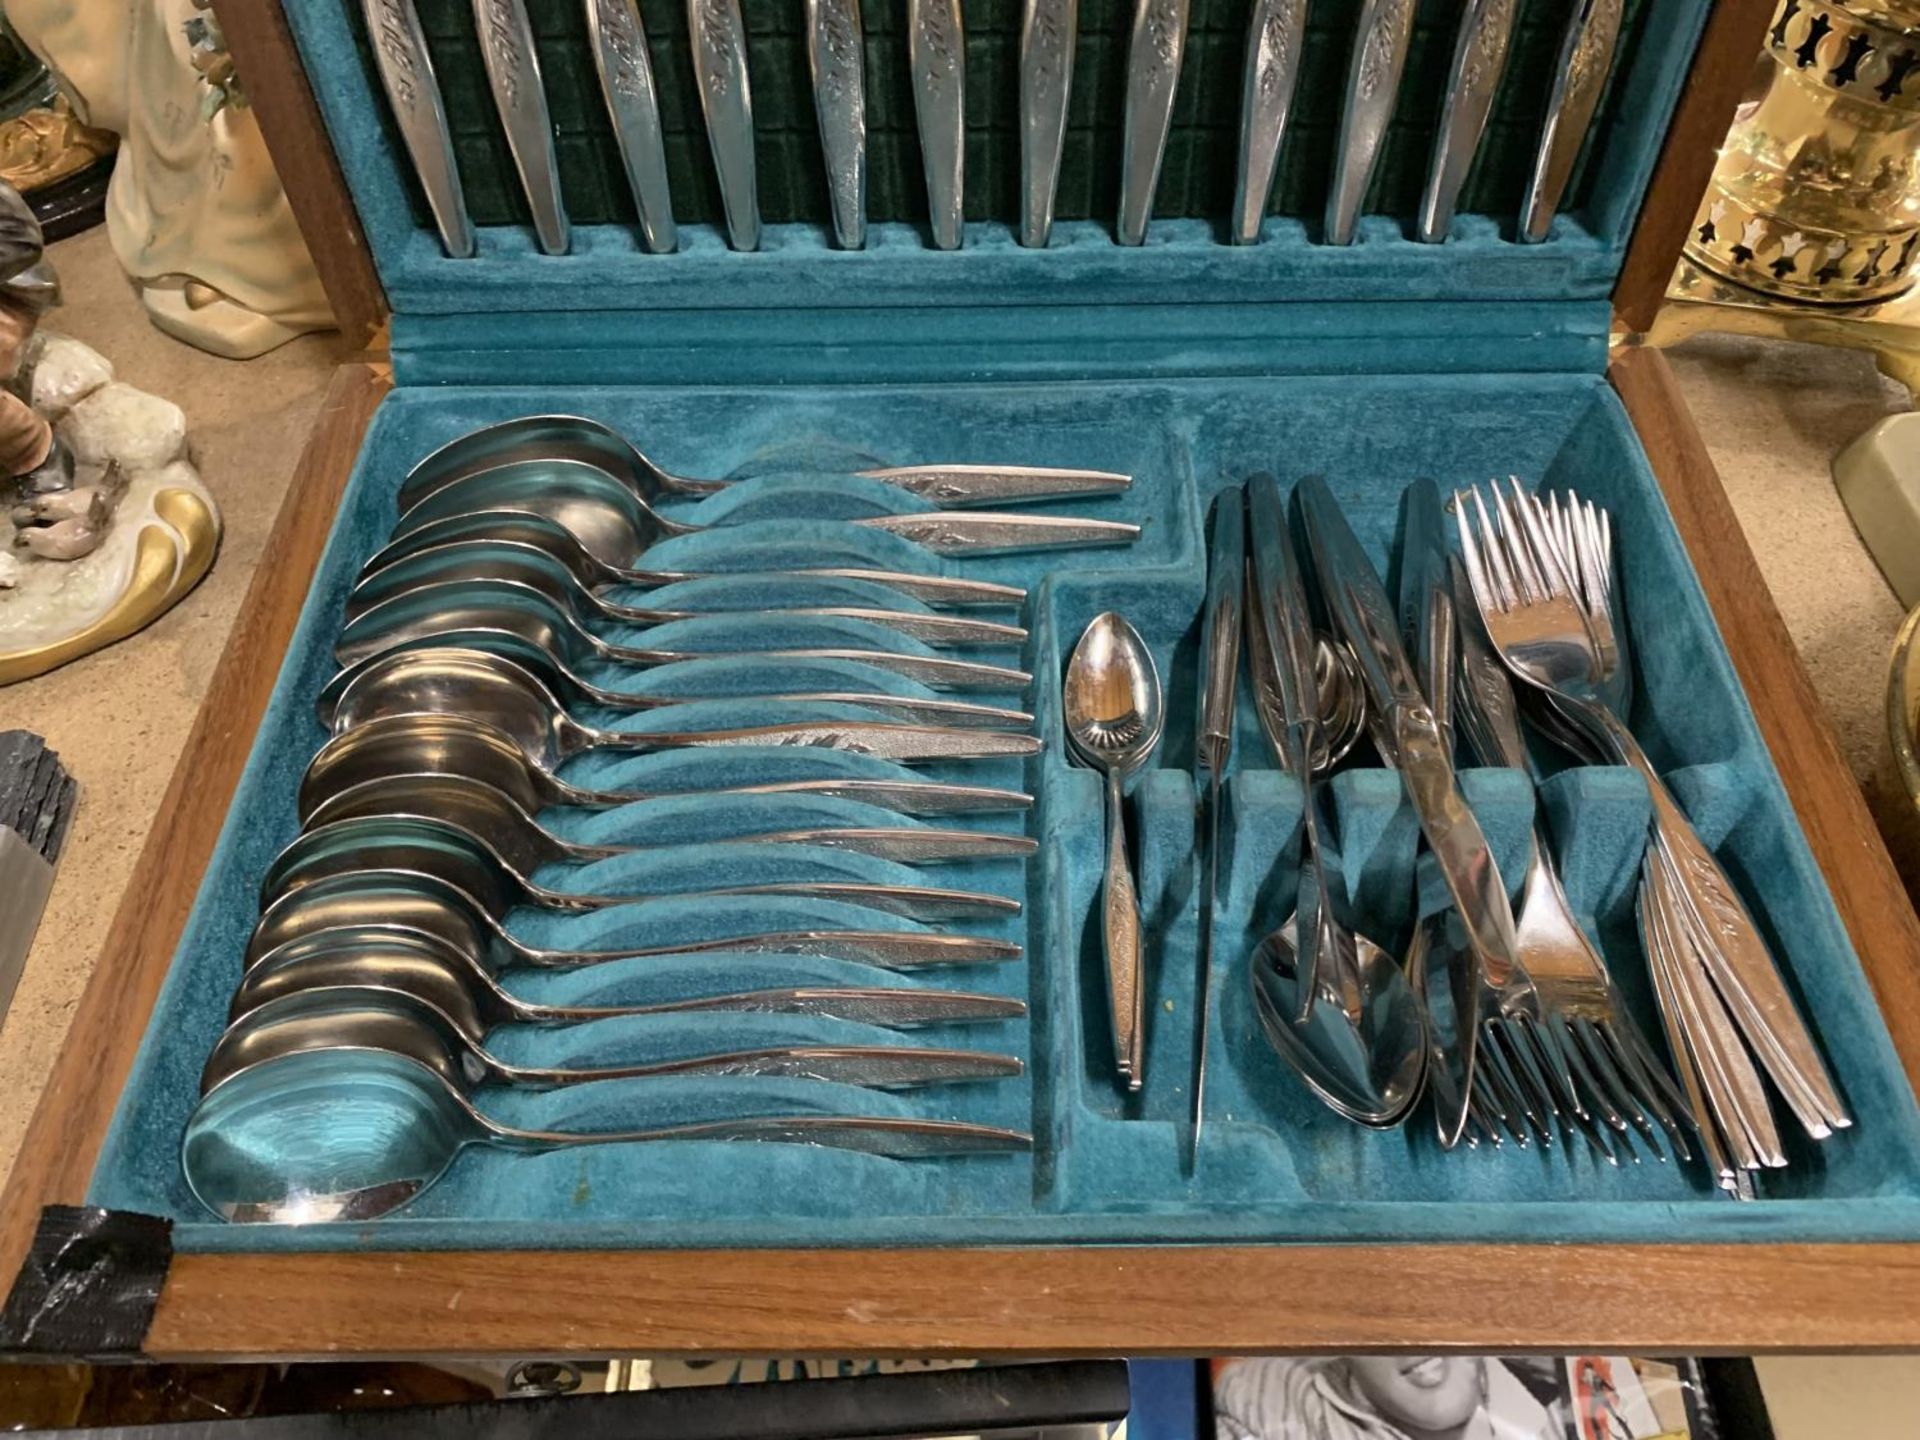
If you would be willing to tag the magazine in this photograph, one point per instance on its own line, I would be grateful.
(1448, 1397)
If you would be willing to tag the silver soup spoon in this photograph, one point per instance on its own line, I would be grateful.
(541, 532)
(401, 901)
(453, 745)
(434, 611)
(348, 1135)
(710, 677)
(463, 990)
(520, 564)
(526, 845)
(611, 519)
(366, 1018)
(572, 437)
(417, 844)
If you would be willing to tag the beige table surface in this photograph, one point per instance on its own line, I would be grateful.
(1772, 414)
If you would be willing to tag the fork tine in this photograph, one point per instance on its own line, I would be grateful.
(1539, 544)
(1617, 1071)
(1494, 1106)
(1494, 554)
(1656, 1091)
(1532, 585)
(1524, 1101)
(1553, 1056)
(1479, 580)
(1550, 1032)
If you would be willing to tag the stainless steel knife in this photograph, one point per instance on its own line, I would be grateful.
(1049, 31)
(1274, 35)
(619, 44)
(719, 37)
(1153, 76)
(513, 71)
(836, 54)
(406, 73)
(937, 54)
(1365, 617)
(1479, 59)
(1220, 631)
(1586, 55)
(1427, 616)
(1373, 79)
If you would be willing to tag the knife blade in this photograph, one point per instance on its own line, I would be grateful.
(406, 73)
(1049, 32)
(1373, 79)
(619, 44)
(513, 72)
(1153, 76)
(1220, 631)
(836, 54)
(1427, 615)
(1360, 608)
(1586, 55)
(719, 36)
(937, 55)
(1479, 58)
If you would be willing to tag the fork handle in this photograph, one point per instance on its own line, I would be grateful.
(1730, 944)
(1121, 944)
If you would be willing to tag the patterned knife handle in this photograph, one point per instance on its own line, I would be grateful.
(1153, 75)
(1586, 55)
(835, 49)
(1273, 63)
(1479, 57)
(1049, 31)
(406, 72)
(626, 83)
(936, 49)
(513, 71)
(1373, 79)
(719, 36)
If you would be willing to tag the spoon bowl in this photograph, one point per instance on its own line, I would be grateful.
(347, 1135)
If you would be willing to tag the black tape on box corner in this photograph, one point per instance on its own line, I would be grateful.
(89, 1284)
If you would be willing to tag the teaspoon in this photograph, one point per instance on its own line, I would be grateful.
(453, 745)
(526, 845)
(610, 519)
(356, 1134)
(424, 845)
(436, 610)
(495, 560)
(573, 437)
(523, 527)
(483, 686)
(467, 994)
(366, 1018)
(426, 904)
(1115, 711)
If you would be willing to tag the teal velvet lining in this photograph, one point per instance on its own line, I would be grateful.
(1276, 1166)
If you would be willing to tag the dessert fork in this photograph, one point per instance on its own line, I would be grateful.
(1541, 627)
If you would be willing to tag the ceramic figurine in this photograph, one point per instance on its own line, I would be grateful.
(195, 211)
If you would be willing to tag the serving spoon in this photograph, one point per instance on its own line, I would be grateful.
(434, 612)
(813, 678)
(491, 688)
(453, 745)
(496, 560)
(348, 1135)
(541, 532)
(573, 437)
(412, 902)
(418, 844)
(366, 1018)
(460, 988)
(612, 520)
(526, 845)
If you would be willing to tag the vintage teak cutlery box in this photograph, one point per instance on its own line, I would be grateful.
(1190, 364)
